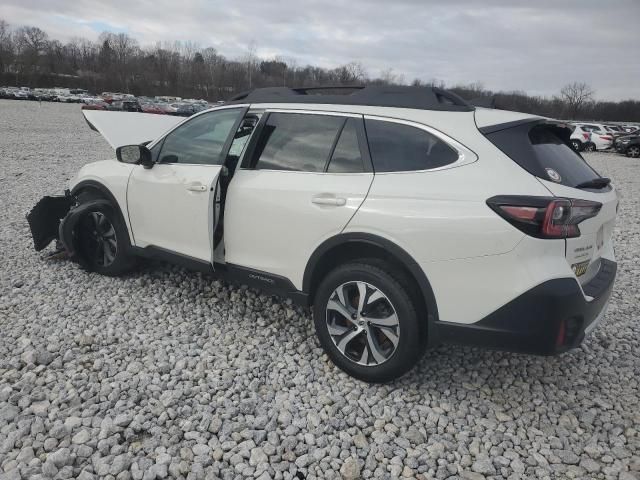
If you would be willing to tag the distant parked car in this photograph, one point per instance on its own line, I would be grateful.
(125, 106)
(152, 108)
(21, 94)
(580, 138)
(95, 105)
(601, 137)
(42, 95)
(69, 99)
(186, 110)
(628, 145)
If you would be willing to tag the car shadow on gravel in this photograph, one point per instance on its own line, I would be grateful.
(444, 368)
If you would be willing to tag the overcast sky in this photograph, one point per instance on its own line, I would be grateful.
(531, 45)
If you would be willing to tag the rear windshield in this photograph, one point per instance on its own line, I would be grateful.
(543, 150)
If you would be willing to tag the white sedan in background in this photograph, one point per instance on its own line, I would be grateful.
(601, 137)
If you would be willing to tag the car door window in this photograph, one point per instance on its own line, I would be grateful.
(199, 141)
(297, 142)
(396, 147)
(346, 157)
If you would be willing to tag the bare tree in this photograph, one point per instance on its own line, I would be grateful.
(115, 62)
(31, 39)
(6, 46)
(251, 61)
(576, 95)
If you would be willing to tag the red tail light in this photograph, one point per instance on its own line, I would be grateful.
(544, 217)
(586, 136)
(606, 137)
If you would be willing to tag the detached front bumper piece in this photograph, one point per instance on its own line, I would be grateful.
(57, 218)
(44, 218)
(548, 319)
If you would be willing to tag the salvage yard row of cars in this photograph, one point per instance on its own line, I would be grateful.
(108, 100)
(597, 136)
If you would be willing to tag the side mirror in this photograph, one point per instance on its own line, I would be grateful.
(135, 154)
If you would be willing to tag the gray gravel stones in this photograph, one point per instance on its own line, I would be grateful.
(168, 373)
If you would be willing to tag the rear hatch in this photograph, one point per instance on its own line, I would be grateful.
(542, 148)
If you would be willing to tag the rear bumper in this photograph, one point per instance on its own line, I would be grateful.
(552, 317)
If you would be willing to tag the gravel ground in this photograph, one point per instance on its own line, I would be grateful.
(168, 373)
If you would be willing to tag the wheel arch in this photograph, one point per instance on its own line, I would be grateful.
(352, 246)
(104, 192)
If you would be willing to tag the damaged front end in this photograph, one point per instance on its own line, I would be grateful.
(57, 218)
(44, 218)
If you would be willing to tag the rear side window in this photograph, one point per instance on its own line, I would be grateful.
(396, 147)
(543, 150)
(297, 141)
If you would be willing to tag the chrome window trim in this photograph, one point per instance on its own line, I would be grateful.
(265, 111)
(465, 155)
(313, 112)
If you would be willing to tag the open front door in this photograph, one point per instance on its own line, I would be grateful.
(172, 205)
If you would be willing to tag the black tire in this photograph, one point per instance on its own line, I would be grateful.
(633, 151)
(119, 260)
(589, 147)
(577, 145)
(397, 295)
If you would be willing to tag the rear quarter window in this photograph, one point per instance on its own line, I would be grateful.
(543, 150)
(396, 147)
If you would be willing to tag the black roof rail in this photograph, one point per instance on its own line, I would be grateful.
(484, 102)
(423, 98)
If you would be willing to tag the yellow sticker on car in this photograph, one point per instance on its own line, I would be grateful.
(580, 268)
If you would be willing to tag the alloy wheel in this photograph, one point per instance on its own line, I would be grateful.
(634, 151)
(103, 243)
(363, 323)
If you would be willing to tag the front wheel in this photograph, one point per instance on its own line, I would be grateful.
(633, 151)
(367, 322)
(590, 147)
(103, 241)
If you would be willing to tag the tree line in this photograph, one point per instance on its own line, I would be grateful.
(117, 62)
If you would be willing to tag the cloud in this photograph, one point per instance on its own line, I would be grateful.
(504, 44)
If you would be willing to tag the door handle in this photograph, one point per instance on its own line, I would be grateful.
(196, 187)
(333, 201)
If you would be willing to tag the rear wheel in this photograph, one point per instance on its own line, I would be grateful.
(577, 145)
(633, 151)
(103, 241)
(590, 147)
(367, 322)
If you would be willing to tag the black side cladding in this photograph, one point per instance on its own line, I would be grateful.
(44, 219)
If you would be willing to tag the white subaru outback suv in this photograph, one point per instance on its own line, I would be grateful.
(404, 216)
